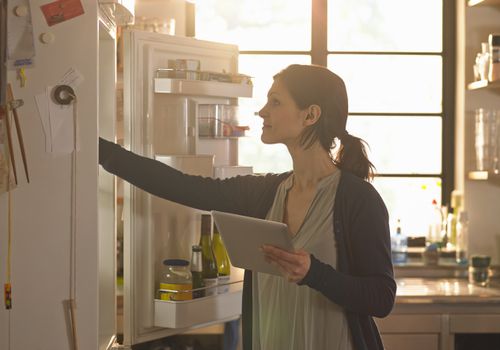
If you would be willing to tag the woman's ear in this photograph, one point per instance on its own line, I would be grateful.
(313, 113)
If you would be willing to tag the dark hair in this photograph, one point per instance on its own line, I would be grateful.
(315, 85)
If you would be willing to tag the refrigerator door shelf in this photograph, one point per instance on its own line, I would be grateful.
(201, 88)
(199, 312)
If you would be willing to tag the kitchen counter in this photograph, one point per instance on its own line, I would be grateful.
(444, 290)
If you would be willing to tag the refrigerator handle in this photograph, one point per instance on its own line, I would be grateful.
(192, 131)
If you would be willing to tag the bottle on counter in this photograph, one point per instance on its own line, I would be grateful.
(196, 271)
(209, 264)
(399, 245)
(462, 237)
(451, 222)
(223, 263)
(435, 223)
(176, 282)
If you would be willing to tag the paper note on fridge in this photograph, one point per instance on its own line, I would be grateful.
(57, 122)
(61, 126)
(42, 104)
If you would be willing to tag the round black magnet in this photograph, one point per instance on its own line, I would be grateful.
(64, 94)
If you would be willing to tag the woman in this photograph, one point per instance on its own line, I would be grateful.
(340, 274)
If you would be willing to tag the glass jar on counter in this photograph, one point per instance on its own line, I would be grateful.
(479, 270)
(176, 281)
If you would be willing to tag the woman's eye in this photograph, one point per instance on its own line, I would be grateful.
(275, 102)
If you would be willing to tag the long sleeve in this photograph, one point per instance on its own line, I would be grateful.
(246, 195)
(366, 284)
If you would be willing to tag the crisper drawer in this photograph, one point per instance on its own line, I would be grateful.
(189, 313)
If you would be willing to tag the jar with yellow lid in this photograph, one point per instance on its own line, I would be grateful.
(176, 281)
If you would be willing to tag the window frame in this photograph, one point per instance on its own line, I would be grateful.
(319, 55)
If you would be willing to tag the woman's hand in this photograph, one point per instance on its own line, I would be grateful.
(293, 265)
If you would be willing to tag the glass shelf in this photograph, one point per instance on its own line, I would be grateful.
(472, 3)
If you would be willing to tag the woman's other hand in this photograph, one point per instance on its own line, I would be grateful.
(293, 265)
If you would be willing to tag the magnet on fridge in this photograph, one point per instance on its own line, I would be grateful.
(21, 73)
(47, 38)
(21, 11)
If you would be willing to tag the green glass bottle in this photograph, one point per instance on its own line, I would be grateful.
(196, 271)
(209, 265)
(223, 263)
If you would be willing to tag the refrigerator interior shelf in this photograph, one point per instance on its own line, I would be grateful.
(190, 313)
(201, 88)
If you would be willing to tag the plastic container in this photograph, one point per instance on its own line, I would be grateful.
(176, 281)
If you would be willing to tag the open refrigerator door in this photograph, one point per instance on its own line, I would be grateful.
(181, 104)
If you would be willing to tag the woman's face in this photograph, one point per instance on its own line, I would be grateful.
(283, 120)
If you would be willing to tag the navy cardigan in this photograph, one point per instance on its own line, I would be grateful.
(363, 282)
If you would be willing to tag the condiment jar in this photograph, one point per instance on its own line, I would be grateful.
(176, 281)
(478, 270)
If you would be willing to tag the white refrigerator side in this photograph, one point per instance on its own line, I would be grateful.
(41, 209)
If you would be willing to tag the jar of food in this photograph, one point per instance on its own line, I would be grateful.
(479, 270)
(176, 281)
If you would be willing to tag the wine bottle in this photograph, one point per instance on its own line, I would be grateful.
(209, 265)
(196, 271)
(223, 263)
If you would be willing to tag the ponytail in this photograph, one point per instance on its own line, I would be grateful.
(352, 157)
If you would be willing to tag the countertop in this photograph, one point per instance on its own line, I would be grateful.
(444, 291)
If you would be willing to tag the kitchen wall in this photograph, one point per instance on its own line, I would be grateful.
(482, 198)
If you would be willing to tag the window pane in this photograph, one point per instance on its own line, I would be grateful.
(385, 25)
(391, 83)
(256, 25)
(409, 199)
(264, 158)
(400, 144)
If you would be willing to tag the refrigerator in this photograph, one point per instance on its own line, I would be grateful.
(180, 107)
(59, 247)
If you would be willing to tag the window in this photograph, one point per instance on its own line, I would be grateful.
(397, 59)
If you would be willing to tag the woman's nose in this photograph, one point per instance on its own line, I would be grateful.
(261, 112)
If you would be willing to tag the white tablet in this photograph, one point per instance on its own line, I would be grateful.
(244, 235)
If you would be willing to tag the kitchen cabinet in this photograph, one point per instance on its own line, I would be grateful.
(438, 314)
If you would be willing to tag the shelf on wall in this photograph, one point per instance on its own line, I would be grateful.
(201, 88)
(471, 3)
(482, 84)
(485, 176)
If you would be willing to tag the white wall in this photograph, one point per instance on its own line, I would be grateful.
(482, 199)
(41, 209)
